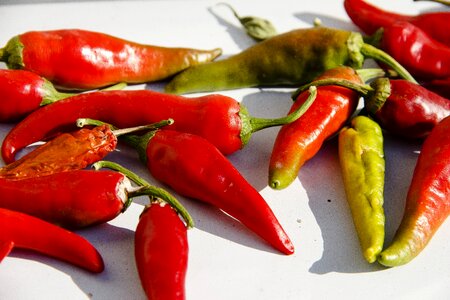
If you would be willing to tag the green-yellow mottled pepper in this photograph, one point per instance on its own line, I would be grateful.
(362, 162)
(291, 59)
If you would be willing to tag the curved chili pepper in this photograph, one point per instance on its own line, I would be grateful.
(399, 106)
(301, 140)
(81, 59)
(291, 58)
(427, 201)
(370, 18)
(161, 252)
(422, 56)
(220, 119)
(28, 232)
(361, 156)
(195, 168)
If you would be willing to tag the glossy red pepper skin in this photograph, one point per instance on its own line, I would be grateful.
(438, 86)
(28, 232)
(74, 199)
(301, 140)
(81, 59)
(422, 56)
(427, 201)
(161, 252)
(195, 168)
(65, 152)
(369, 18)
(410, 111)
(215, 117)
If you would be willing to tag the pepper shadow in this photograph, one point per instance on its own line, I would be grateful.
(341, 249)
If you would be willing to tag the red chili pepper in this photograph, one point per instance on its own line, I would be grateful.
(370, 18)
(439, 86)
(427, 201)
(161, 252)
(220, 119)
(28, 232)
(82, 59)
(414, 49)
(301, 140)
(193, 167)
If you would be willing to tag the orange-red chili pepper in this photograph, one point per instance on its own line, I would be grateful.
(27, 232)
(427, 201)
(369, 18)
(82, 59)
(220, 119)
(301, 140)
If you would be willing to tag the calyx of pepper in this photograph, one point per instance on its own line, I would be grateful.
(251, 124)
(11, 54)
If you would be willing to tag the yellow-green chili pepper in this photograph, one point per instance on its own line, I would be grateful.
(362, 162)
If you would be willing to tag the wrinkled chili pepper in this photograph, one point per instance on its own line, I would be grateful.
(220, 119)
(401, 107)
(361, 157)
(161, 252)
(414, 49)
(80, 59)
(195, 168)
(301, 140)
(427, 202)
(27, 232)
(370, 18)
(291, 58)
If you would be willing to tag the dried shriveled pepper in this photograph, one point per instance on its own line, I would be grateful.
(220, 119)
(370, 18)
(301, 140)
(427, 201)
(291, 58)
(27, 232)
(401, 107)
(195, 168)
(80, 59)
(361, 157)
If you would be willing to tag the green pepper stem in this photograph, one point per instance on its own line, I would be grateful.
(363, 89)
(368, 74)
(146, 189)
(260, 123)
(372, 52)
(81, 122)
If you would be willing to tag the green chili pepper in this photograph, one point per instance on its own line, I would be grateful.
(362, 162)
(291, 58)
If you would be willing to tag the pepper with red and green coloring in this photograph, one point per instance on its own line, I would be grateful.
(81, 59)
(427, 202)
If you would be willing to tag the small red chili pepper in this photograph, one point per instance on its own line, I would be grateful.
(427, 201)
(415, 50)
(301, 140)
(399, 106)
(195, 168)
(220, 119)
(370, 18)
(28, 232)
(82, 59)
(161, 252)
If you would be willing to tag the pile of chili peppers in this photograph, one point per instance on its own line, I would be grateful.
(183, 141)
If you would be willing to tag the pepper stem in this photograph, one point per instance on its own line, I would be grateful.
(147, 189)
(372, 52)
(363, 89)
(257, 124)
(119, 132)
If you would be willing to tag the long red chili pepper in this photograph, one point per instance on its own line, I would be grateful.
(81, 59)
(161, 252)
(422, 56)
(195, 168)
(28, 232)
(301, 140)
(220, 119)
(370, 18)
(427, 201)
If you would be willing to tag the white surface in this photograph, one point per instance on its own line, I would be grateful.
(226, 261)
